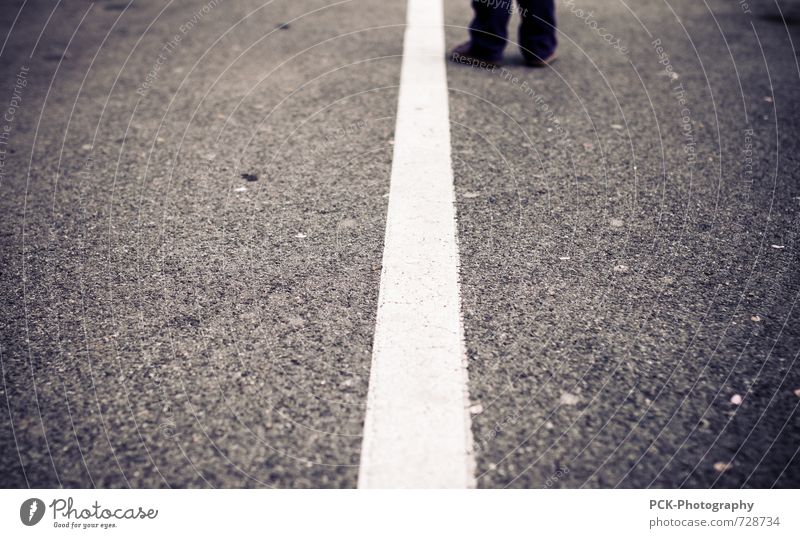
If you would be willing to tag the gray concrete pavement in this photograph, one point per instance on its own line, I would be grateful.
(632, 267)
(163, 326)
(193, 203)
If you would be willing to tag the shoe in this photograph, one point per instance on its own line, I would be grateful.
(466, 54)
(541, 62)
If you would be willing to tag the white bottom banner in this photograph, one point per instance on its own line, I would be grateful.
(386, 513)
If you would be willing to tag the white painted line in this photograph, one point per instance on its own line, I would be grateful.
(417, 427)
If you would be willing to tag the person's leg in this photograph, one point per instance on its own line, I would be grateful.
(489, 29)
(537, 33)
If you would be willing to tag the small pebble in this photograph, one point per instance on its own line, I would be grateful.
(721, 466)
(476, 409)
(616, 223)
(736, 399)
(569, 399)
(756, 318)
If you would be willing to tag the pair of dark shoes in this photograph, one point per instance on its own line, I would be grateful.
(468, 54)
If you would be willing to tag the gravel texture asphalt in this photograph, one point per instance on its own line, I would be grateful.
(629, 251)
(192, 206)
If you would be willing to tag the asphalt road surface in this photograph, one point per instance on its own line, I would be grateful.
(193, 204)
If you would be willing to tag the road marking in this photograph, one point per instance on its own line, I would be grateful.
(417, 427)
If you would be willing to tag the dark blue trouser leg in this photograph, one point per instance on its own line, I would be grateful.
(537, 33)
(489, 28)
